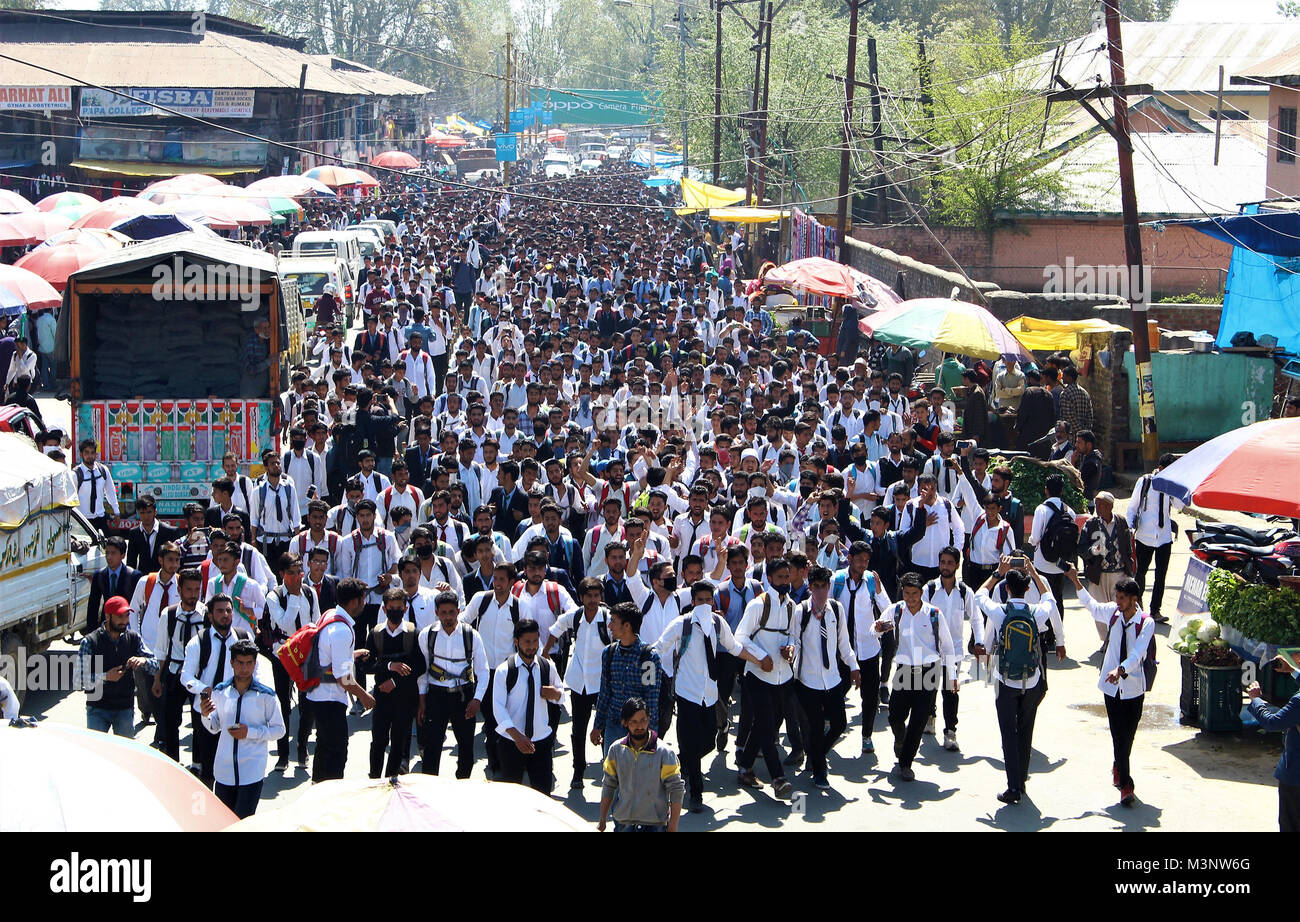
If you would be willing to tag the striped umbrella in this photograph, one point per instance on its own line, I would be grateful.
(63, 778)
(72, 205)
(337, 176)
(416, 803)
(1252, 469)
(945, 324)
(20, 288)
(93, 237)
(819, 276)
(30, 227)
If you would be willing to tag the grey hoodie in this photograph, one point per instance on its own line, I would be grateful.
(647, 780)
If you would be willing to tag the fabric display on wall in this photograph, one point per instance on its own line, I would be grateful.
(809, 237)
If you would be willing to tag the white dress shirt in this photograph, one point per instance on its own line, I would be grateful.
(146, 615)
(241, 762)
(827, 630)
(947, 531)
(989, 544)
(305, 472)
(689, 667)
(495, 623)
(1150, 518)
(370, 561)
(270, 521)
(544, 607)
(916, 632)
(448, 653)
(1043, 515)
(510, 707)
(194, 680)
(249, 599)
(768, 641)
(292, 613)
(958, 606)
(1136, 633)
(98, 481)
(335, 643)
(864, 600)
(170, 651)
(583, 674)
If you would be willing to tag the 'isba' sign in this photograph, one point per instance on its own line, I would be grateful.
(201, 101)
(36, 98)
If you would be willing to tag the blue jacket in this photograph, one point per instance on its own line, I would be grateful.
(1285, 718)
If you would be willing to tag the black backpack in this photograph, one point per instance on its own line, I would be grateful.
(512, 676)
(1060, 544)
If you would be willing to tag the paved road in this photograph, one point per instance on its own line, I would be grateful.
(1185, 780)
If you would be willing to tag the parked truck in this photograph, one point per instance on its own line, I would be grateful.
(155, 337)
(46, 546)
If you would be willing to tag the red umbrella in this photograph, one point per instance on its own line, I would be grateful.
(77, 202)
(115, 210)
(30, 227)
(819, 276)
(55, 264)
(396, 160)
(442, 139)
(13, 203)
(1252, 469)
(22, 286)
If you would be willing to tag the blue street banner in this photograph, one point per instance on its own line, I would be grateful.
(506, 149)
(548, 117)
(593, 107)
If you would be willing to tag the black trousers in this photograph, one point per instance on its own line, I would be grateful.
(697, 732)
(728, 669)
(1288, 808)
(950, 701)
(390, 729)
(363, 626)
(1123, 716)
(582, 707)
(537, 765)
(1161, 554)
(1017, 710)
(331, 740)
(869, 689)
(822, 708)
(888, 647)
(666, 703)
(272, 549)
(204, 745)
(444, 706)
(763, 702)
(976, 575)
(284, 691)
(796, 724)
(927, 573)
(306, 720)
(911, 702)
(491, 739)
(439, 373)
(241, 799)
(169, 709)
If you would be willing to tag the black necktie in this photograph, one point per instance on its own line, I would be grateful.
(221, 662)
(530, 706)
(112, 585)
(853, 601)
(279, 508)
(710, 658)
(826, 654)
(94, 488)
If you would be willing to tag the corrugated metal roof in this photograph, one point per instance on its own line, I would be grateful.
(132, 56)
(1174, 174)
(1286, 64)
(1174, 57)
(198, 247)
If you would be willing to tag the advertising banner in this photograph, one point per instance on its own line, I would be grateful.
(208, 103)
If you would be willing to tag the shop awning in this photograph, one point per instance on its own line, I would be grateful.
(126, 168)
(698, 196)
(1275, 233)
(743, 215)
(16, 164)
(1054, 335)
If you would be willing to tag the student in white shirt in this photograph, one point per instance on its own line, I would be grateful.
(822, 644)
(1124, 670)
(526, 692)
(1052, 570)
(1018, 691)
(290, 607)
(956, 601)
(452, 687)
(1150, 518)
(591, 635)
(246, 716)
(96, 492)
(689, 648)
(765, 631)
(336, 644)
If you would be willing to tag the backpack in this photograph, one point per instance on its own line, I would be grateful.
(205, 643)
(512, 676)
(1060, 542)
(1002, 532)
(686, 639)
(1019, 646)
(552, 589)
(1149, 660)
(488, 598)
(282, 597)
(380, 542)
(467, 636)
(602, 625)
(173, 618)
(300, 655)
(308, 456)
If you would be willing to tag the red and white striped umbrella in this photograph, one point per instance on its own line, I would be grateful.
(1252, 469)
(62, 778)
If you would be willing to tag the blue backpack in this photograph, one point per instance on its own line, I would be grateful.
(1019, 648)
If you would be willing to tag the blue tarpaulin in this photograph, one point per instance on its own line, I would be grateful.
(1262, 290)
(1276, 233)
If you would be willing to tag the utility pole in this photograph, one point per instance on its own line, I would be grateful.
(753, 106)
(762, 125)
(1132, 245)
(717, 91)
(877, 140)
(681, 34)
(510, 69)
(850, 81)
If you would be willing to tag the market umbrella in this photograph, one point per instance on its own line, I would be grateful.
(945, 324)
(819, 276)
(442, 139)
(336, 176)
(149, 226)
(63, 778)
(71, 204)
(20, 288)
(93, 237)
(1252, 469)
(556, 136)
(395, 160)
(222, 209)
(187, 182)
(13, 203)
(416, 803)
(55, 264)
(30, 227)
(111, 211)
(291, 186)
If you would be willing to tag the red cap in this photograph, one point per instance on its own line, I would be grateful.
(116, 606)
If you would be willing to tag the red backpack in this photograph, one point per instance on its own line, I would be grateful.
(300, 655)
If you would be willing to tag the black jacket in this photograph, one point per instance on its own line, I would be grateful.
(419, 471)
(212, 518)
(327, 594)
(137, 547)
(100, 593)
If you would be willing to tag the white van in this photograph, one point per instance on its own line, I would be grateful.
(369, 238)
(340, 244)
(557, 164)
(313, 273)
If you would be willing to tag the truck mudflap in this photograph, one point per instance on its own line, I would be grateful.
(172, 449)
